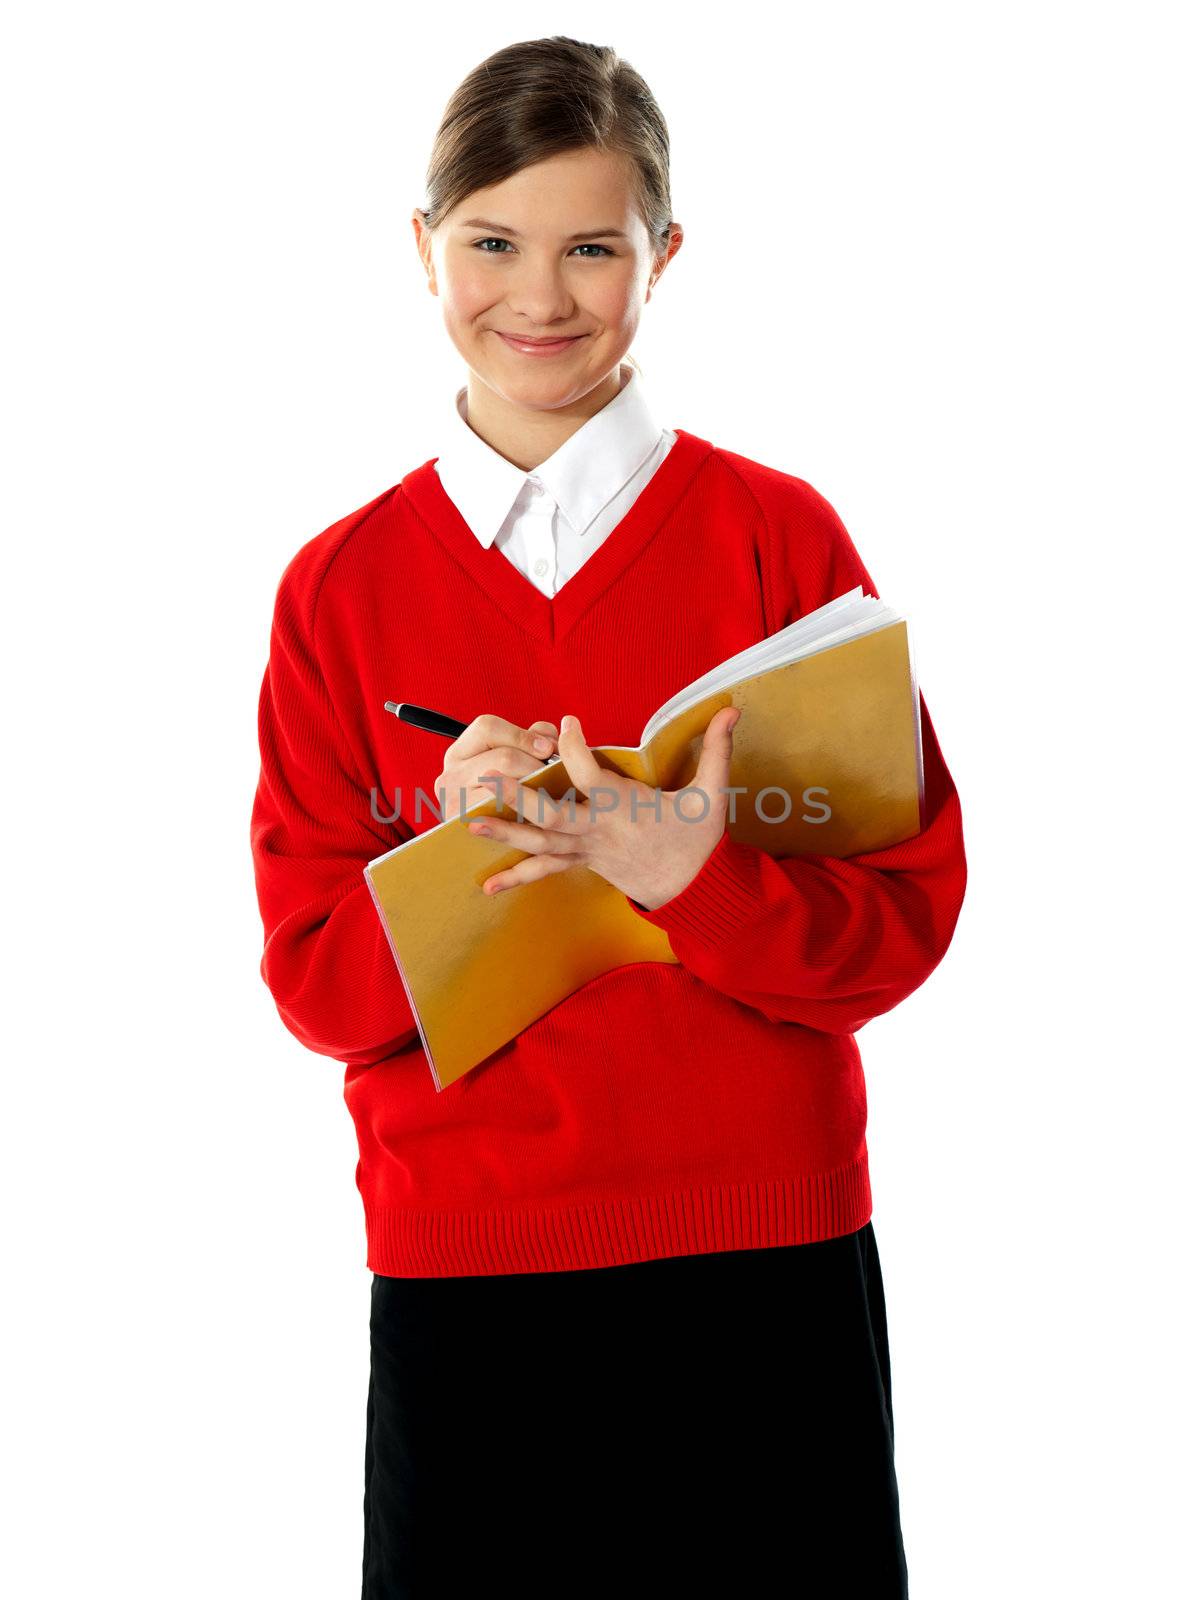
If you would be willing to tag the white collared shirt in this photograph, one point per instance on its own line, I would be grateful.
(549, 521)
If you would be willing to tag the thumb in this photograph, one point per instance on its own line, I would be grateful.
(712, 770)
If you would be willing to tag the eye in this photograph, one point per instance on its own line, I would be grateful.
(479, 243)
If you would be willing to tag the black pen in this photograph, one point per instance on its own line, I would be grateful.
(432, 721)
(421, 717)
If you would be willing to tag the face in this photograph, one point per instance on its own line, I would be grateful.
(556, 253)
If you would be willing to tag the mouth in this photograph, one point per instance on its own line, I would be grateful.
(538, 347)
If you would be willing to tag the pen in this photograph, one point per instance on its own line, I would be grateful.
(421, 717)
(432, 721)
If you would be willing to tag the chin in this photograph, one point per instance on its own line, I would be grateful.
(537, 380)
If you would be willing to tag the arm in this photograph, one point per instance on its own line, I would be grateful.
(823, 941)
(326, 959)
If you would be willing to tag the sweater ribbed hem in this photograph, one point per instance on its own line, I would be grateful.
(722, 897)
(731, 1216)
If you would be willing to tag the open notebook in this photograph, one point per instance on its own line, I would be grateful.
(830, 729)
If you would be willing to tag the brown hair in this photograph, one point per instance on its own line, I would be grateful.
(537, 99)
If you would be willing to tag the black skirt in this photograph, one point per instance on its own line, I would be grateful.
(714, 1423)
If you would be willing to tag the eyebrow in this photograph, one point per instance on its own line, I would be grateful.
(591, 233)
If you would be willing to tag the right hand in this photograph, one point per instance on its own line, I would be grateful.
(490, 744)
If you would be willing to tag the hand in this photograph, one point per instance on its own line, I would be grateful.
(489, 744)
(648, 857)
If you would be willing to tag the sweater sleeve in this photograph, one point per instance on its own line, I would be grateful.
(326, 960)
(825, 941)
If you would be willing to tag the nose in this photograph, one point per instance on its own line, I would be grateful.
(538, 294)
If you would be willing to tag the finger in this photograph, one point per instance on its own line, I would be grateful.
(535, 804)
(457, 796)
(549, 731)
(488, 732)
(523, 801)
(528, 871)
(513, 763)
(582, 767)
(716, 751)
(524, 836)
(505, 765)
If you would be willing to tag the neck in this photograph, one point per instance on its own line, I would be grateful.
(527, 437)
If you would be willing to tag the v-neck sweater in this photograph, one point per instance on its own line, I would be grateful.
(714, 1103)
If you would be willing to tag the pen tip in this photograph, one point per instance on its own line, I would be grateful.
(392, 705)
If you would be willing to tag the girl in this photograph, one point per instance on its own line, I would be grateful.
(626, 1295)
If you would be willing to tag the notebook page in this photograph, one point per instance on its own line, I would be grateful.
(847, 617)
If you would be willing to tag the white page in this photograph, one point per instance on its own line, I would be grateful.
(849, 616)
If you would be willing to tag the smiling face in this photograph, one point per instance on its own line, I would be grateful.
(558, 252)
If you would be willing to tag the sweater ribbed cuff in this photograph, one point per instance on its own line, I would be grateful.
(721, 898)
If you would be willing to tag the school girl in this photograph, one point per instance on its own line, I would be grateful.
(627, 1328)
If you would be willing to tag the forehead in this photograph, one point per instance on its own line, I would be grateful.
(589, 188)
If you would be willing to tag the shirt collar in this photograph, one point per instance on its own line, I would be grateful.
(582, 476)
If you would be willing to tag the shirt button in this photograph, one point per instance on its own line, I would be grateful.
(540, 566)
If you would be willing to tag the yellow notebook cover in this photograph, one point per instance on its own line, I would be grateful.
(836, 731)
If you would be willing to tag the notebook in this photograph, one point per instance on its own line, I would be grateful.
(827, 751)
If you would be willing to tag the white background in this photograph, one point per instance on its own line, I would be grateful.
(934, 264)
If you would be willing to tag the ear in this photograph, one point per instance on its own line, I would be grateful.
(422, 239)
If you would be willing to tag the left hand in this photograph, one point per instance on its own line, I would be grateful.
(650, 857)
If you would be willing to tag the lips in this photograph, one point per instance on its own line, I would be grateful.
(547, 338)
(538, 346)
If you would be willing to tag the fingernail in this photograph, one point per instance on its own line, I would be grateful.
(541, 744)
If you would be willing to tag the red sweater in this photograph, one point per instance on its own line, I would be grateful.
(661, 1109)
